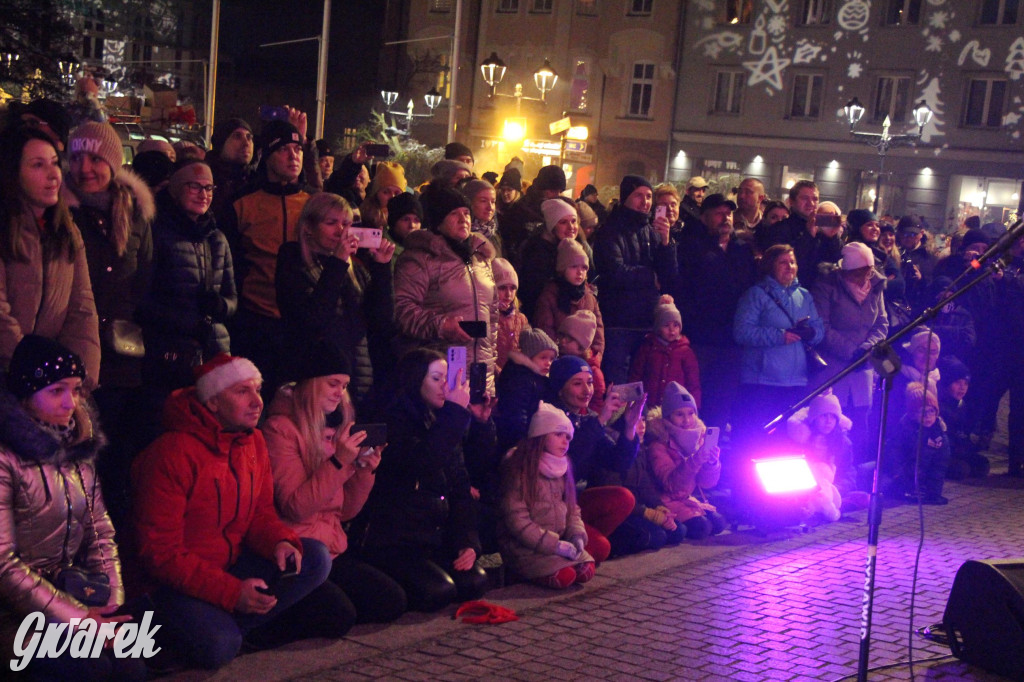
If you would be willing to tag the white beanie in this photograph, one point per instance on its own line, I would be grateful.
(555, 210)
(857, 255)
(504, 273)
(549, 419)
(221, 372)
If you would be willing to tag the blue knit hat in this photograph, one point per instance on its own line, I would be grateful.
(563, 369)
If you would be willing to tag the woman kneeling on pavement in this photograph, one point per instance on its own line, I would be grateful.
(322, 478)
(52, 512)
(421, 519)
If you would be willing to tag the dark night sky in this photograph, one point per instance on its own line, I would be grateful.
(290, 70)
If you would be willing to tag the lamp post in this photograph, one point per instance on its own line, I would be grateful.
(432, 98)
(68, 68)
(493, 70)
(8, 59)
(883, 141)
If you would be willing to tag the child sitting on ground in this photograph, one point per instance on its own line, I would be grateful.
(576, 337)
(521, 385)
(568, 293)
(682, 466)
(821, 429)
(966, 459)
(510, 321)
(541, 533)
(922, 414)
(652, 525)
(665, 355)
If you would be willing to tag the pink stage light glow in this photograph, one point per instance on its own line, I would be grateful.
(786, 474)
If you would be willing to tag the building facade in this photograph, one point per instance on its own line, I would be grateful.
(763, 84)
(616, 67)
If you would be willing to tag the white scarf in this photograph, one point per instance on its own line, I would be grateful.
(552, 466)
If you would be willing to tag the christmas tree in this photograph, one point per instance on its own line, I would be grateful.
(1015, 60)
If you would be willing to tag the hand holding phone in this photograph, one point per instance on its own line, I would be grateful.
(660, 211)
(456, 364)
(368, 237)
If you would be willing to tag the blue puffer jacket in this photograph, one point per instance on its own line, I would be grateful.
(759, 326)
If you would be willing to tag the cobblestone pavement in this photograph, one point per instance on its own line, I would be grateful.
(739, 607)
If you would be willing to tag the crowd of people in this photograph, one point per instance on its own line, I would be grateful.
(559, 382)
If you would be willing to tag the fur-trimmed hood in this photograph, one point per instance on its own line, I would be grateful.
(23, 436)
(519, 357)
(129, 187)
(800, 431)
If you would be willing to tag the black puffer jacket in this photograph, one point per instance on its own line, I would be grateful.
(421, 500)
(118, 282)
(190, 258)
(632, 266)
(325, 301)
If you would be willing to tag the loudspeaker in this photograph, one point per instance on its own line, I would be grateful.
(984, 616)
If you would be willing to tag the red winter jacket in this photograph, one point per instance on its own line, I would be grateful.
(202, 494)
(656, 363)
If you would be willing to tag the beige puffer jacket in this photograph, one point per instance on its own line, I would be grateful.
(432, 282)
(39, 479)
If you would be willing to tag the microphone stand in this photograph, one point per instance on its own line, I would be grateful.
(887, 364)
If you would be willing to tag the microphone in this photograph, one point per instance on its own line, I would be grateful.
(1003, 243)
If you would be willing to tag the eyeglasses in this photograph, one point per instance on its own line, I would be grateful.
(196, 188)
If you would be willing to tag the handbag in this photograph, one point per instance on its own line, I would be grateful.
(125, 337)
(92, 588)
(814, 359)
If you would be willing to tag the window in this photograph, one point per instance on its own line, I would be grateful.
(580, 88)
(586, 8)
(735, 11)
(441, 6)
(640, 90)
(728, 88)
(903, 12)
(892, 99)
(985, 100)
(806, 102)
(542, 6)
(508, 6)
(816, 12)
(999, 11)
(640, 8)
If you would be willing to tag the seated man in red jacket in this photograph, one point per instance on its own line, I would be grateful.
(208, 533)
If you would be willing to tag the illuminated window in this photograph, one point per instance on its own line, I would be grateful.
(903, 12)
(542, 6)
(508, 6)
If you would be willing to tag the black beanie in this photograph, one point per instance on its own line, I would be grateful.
(154, 167)
(587, 191)
(629, 184)
(222, 131)
(402, 204)
(321, 359)
(38, 362)
(550, 177)
(453, 150)
(438, 202)
(512, 179)
(277, 134)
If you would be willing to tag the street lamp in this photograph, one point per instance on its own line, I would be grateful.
(68, 67)
(433, 99)
(883, 141)
(8, 59)
(493, 70)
